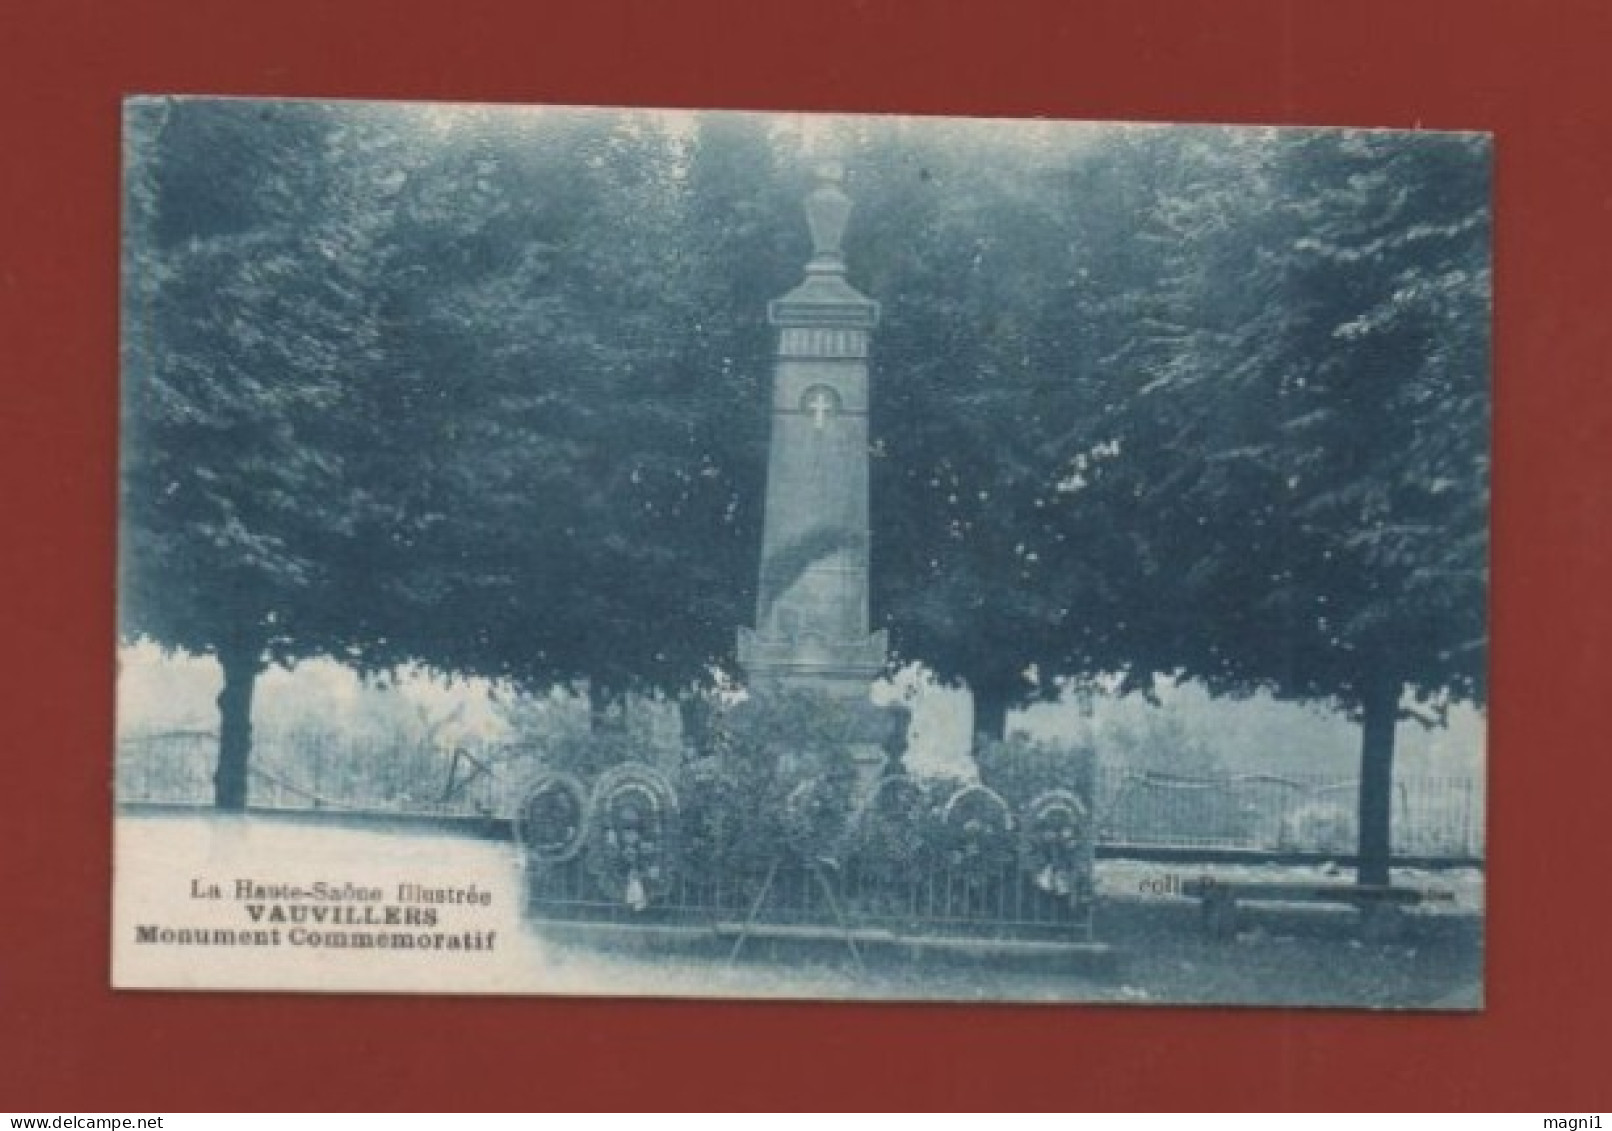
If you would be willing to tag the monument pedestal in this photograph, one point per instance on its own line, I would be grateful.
(843, 669)
(846, 674)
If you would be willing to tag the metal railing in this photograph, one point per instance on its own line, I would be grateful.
(1433, 815)
(316, 770)
(998, 902)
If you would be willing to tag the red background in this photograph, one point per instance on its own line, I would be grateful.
(1536, 74)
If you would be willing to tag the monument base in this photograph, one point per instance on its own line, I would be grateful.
(845, 671)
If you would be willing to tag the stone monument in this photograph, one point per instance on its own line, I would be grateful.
(812, 602)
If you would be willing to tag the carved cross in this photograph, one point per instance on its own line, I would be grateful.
(821, 405)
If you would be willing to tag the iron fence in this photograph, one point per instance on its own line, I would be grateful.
(318, 770)
(1433, 815)
(1002, 901)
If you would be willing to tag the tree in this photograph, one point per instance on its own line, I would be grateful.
(566, 344)
(1006, 262)
(951, 236)
(1305, 452)
(244, 308)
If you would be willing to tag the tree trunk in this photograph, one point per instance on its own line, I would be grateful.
(241, 667)
(992, 701)
(1380, 716)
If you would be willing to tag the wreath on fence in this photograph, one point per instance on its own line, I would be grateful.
(714, 821)
(1055, 845)
(551, 821)
(976, 832)
(631, 850)
(816, 817)
(892, 833)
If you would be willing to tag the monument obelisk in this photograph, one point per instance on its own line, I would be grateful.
(812, 602)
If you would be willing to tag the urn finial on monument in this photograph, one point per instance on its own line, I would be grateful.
(824, 298)
(827, 210)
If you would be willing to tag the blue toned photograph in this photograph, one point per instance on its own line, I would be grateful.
(698, 553)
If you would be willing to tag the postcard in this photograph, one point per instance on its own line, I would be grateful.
(694, 553)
